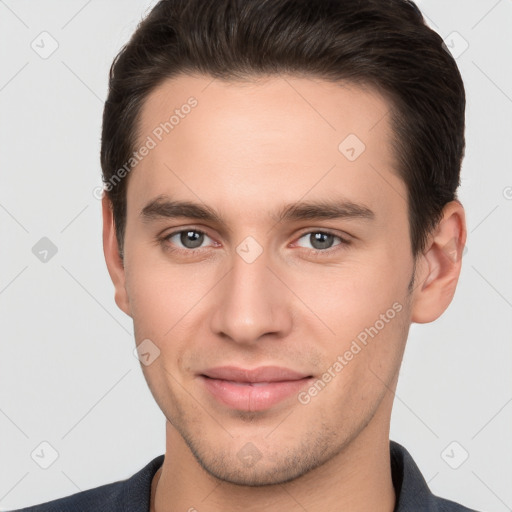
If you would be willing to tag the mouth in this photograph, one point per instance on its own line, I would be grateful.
(255, 389)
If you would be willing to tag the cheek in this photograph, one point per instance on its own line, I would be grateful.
(349, 296)
(151, 300)
(164, 297)
(359, 367)
(360, 323)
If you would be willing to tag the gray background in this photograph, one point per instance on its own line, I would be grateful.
(68, 376)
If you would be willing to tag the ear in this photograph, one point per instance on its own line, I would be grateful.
(112, 258)
(439, 266)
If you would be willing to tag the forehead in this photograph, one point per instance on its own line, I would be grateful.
(265, 142)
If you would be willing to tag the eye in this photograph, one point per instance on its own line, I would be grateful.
(186, 240)
(322, 241)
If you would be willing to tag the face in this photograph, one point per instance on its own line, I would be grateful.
(276, 331)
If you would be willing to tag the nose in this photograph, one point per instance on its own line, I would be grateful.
(252, 302)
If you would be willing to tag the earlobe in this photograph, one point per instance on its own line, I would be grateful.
(439, 267)
(112, 258)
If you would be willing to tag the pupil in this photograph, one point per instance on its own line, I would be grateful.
(191, 239)
(320, 241)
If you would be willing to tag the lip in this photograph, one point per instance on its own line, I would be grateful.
(254, 389)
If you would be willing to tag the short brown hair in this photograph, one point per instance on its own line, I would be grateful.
(379, 43)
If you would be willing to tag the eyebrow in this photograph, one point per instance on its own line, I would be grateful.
(163, 207)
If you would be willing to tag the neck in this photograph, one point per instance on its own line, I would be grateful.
(355, 480)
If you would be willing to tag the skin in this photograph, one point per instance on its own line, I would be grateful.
(245, 151)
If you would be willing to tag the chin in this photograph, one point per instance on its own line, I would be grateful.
(262, 469)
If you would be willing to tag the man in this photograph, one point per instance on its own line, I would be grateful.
(280, 206)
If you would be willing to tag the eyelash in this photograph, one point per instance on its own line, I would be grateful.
(314, 252)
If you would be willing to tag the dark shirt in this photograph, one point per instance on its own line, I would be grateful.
(133, 494)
